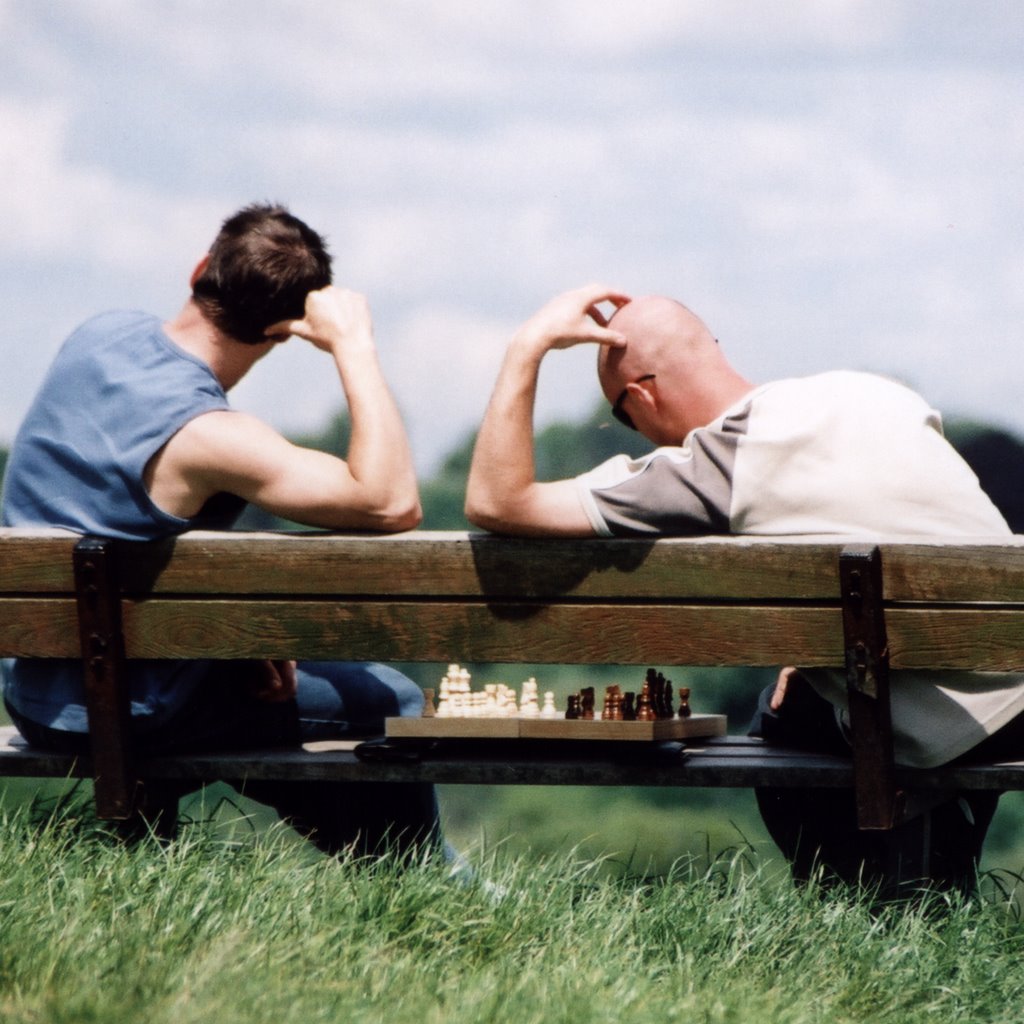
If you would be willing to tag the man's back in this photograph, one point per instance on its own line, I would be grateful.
(117, 391)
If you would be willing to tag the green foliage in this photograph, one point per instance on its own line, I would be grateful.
(444, 495)
(565, 450)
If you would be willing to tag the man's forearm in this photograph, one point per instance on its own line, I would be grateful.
(502, 492)
(503, 467)
(379, 457)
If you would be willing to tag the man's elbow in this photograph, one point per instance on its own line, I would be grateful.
(479, 513)
(400, 517)
(491, 517)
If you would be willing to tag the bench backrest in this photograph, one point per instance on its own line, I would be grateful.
(456, 596)
(441, 597)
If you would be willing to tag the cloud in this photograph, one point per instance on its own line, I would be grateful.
(826, 181)
(53, 207)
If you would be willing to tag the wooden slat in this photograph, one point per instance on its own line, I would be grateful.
(447, 564)
(403, 631)
(36, 561)
(39, 628)
(955, 572)
(990, 639)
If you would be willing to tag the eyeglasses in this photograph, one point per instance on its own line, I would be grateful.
(618, 412)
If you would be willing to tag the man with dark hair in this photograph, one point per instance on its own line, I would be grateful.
(262, 265)
(767, 460)
(131, 436)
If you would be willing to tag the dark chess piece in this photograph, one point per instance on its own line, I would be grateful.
(644, 707)
(587, 702)
(684, 702)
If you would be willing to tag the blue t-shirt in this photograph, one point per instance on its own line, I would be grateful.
(118, 390)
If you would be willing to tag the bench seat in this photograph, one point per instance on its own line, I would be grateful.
(724, 762)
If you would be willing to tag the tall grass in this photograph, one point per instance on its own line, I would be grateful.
(212, 928)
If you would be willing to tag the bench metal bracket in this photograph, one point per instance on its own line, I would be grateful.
(106, 685)
(879, 801)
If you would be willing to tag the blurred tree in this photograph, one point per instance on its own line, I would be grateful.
(997, 457)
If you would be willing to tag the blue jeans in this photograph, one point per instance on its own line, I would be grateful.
(334, 700)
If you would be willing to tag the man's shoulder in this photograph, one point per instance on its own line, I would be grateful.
(118, 319)
(839, 391)
(111, 326)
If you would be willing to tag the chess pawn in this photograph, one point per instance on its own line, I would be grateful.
(644, 708)
(572, 706)
(428, 702)
(548, 711)
(684, 702)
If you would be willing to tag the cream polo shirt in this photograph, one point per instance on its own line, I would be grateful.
(840, 453)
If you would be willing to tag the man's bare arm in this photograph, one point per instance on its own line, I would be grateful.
(503, 493)
(374, 488)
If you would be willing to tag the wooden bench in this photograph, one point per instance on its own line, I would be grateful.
(439, 597)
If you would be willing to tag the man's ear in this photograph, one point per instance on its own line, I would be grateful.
(199, 271)
(644, 393)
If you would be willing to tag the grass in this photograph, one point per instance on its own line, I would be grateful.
(226, 925)
(653, 905)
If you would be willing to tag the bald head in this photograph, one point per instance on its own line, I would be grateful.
(693, 381)
(660, 333)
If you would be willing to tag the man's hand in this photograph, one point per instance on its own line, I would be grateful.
(333, 317)
(573, 318)
(502, 492)
(779, 695)
(274, 682)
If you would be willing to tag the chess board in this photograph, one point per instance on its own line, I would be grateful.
(537, 728)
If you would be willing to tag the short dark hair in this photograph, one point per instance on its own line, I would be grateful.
(263, 264)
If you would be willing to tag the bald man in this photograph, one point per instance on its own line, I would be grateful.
(732, 457)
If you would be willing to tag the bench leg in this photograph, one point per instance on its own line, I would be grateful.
(156, 812)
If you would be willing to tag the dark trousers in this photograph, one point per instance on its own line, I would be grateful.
(334, 700)
(816, 829)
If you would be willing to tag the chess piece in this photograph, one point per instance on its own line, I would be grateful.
(684, 702)
(629, 706)
(612, 709)
(548, 711)
(644, 707)
(444, 703)
(528, 703)
(428, 703)
(572, 706)
(587, 702)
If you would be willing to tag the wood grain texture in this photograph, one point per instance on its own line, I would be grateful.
(39, 627)
(36, 561)
(449, 631)
(440, 596)
(463, 564)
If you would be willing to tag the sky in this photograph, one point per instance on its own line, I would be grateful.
(828, 183)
